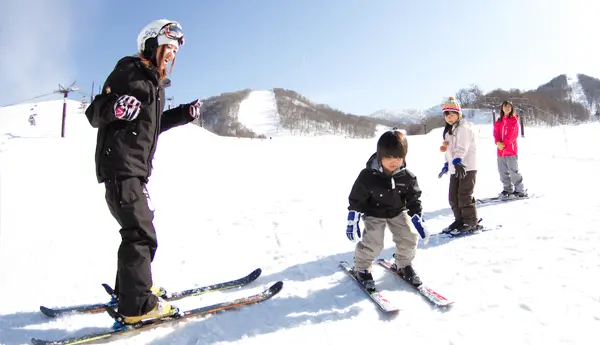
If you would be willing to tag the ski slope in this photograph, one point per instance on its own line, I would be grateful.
(258, 112)
(225, 206)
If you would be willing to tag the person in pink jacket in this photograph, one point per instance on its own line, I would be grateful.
(506, 132)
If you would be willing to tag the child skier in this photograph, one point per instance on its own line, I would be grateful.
(385, 193)
(460, 149)
(506, 132)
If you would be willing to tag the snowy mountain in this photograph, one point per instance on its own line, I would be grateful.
(526, 282)
(406, 116)
(280, 112)
(419, 116)
(258, 112)
(579, 88)
(575, 88)
(586, 90)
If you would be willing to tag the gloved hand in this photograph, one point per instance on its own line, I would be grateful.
(500, 145)
(127, 108)
(195, 108)
(461, 169)
(444, 170)
(421, 229)
(353, 228)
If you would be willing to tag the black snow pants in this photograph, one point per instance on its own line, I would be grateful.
(130, 204)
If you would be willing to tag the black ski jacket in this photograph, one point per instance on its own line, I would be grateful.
(126, 148)
(377, 194)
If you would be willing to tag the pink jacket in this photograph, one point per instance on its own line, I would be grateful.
(506, 130)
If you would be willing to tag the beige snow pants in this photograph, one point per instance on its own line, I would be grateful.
(371, 244)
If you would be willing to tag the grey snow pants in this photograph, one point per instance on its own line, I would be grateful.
(508, 168)
(372, 241)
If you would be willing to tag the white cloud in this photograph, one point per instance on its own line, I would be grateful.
(36, 42)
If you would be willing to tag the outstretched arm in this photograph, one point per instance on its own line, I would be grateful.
(175, 117)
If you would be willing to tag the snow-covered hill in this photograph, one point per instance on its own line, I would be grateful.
(576, 93)
(412, 116)
(225, 206)
(405, 116)
(258, 112)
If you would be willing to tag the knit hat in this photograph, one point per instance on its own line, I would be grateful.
(452, 105)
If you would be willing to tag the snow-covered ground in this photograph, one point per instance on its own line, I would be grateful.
(225, 206)
(258, 112)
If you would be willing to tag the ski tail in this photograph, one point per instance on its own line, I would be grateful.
(121, 329)
(113, 303)
(376, 296)
(82, 309)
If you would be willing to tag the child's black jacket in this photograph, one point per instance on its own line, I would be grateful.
(379, 195)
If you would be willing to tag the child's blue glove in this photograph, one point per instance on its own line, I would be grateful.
(421, 229)
(353, 228)
(461, 169)
(444, 170)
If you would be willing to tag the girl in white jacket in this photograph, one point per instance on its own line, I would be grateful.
(460, 149)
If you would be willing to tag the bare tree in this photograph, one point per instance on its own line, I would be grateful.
(470, 97)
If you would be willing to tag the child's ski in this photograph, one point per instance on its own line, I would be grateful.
(100, 307)
(455, 233)
(376, 296)
(499, 199)
(120, 329)
(431, 295)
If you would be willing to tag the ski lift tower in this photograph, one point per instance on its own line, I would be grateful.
(65, 92)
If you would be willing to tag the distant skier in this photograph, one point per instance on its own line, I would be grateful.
(385, 194)
(506, 133)
(460, 150)
(32, 119)
(129, 117)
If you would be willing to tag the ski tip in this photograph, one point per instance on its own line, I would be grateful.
(275, 288)
(255, 274)
(47, 311)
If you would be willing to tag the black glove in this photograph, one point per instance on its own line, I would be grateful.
(461, 169)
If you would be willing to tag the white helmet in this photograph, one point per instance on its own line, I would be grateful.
(159, 32)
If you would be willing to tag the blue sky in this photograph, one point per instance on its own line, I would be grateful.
(358, 56)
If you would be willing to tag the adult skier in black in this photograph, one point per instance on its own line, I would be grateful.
(129, 117)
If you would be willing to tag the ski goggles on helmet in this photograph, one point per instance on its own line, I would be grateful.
(173, 32)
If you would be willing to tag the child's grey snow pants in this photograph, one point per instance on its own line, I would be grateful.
(508, 168)
(372, 241)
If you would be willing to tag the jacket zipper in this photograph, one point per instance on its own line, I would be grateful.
(156, 129)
